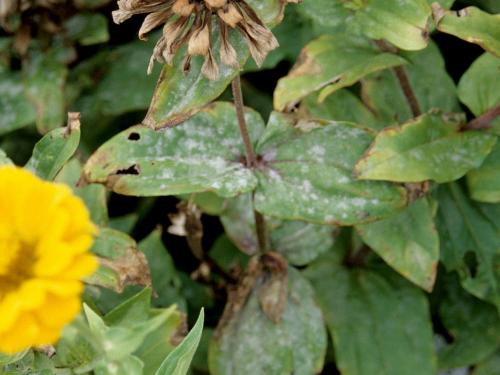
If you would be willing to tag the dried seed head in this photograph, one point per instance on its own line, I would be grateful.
(190, 22)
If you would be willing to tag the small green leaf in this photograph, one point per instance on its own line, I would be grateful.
(430, 147)
(251, 343)
(203, 154)
(408, 242)
(16, 111)
(44, 77)
(307, 174)
(479, 88)
(470, 24)
(469, 238)
(179, 96)
(179, 360)
(379, 323)
(484, 182)
(354, 58)
(489, 366)
(54, 150)
(328, 13)
(88, 28)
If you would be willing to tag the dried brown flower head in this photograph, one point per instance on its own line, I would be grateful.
(190, 22)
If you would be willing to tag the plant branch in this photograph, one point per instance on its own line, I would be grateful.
(251, 159)
(484, 121)
(403, 79)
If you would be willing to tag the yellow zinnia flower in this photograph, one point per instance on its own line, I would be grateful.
(45, 235)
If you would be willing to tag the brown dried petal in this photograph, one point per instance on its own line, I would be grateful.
(199, 43)
(152, 21)
(228, 55)
(210, 68)
(216, 3)
(183, 8)
(230, 15)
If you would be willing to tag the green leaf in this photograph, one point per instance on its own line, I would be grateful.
(403, 23)
(489, 366)
(251, 343)
(44, 77)
(88, 28)
(408, 241)
(166, 282)
(429, 80)
(179, 96)
(479, 88)
(380, 324)
(93, 195)
(307, 175)
(430, 147)
(179, 360)
(203, 154)
(54, 150)
(4, 159)
(354, 58)
(474, 325)
(329, 13)
(16, 111)
(342, 105)
(470, 24)
(122, 265)
(470, 239)
(484, 182)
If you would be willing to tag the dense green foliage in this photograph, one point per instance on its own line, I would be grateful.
(365, 238)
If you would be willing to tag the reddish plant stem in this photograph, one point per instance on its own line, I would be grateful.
(251, 159)
(484, 121)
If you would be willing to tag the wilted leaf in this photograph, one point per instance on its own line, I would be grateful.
(354, 58)
(430, 147)
(470, 241)
(470, 24)
(55, 149)
(250, 343)
(203, 154)
(408, 241)
(380, 323)
(307, 174)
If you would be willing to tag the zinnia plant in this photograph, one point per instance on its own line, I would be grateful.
(45, 237)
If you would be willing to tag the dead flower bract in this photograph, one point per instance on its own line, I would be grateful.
(190, 21)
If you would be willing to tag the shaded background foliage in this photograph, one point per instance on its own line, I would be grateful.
(73, 58)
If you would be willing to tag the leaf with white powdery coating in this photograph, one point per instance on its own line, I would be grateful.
(430, 147)
(470, 24)
(408, 242)
(251, 343)
(380, 323)
(205, 153)
(307, 174)
(354, 57)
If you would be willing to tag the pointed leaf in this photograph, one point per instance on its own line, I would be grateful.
(380, 324)
(430, 147)
(54, 150)
(354, 58)
(203, 154)
(179, 360)
(408, 242)
(307, 174)
(470, 24)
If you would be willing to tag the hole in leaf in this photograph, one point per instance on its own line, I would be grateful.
(132, 170)
(134, 136)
